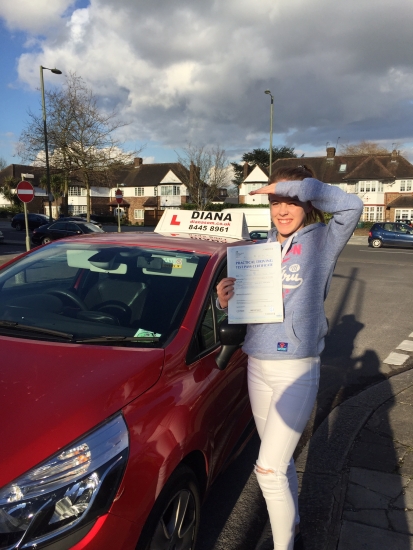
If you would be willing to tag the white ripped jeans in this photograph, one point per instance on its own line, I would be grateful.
(282, 395)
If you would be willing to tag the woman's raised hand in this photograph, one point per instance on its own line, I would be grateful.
(225, 290)
(267, 190)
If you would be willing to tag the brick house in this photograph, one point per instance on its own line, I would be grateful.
(148, 189)
(377, 179)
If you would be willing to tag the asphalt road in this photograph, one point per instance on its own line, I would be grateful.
(369, 309)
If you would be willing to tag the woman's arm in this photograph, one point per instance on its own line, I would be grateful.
(345, 207)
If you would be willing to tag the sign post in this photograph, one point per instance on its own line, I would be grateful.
(25, 192)
(119, 199)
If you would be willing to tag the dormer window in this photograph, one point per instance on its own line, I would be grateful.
(343, 168)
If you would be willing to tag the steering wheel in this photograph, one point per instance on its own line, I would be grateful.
(71, 296)
(118, 309)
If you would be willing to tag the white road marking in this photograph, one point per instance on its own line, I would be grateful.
(396, 358)
(387, 251)
(406, 345)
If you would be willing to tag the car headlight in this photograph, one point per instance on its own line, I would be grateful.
(68, 490)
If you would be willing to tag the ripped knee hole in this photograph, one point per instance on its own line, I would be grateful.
(260, 470)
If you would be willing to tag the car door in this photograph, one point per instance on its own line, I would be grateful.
(403, 235)
(231, 408)
(388, 233)
(58, 230)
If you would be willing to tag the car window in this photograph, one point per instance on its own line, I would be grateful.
(58, 226)
(403, 228)
(100, 291)
(206, 337)
(89, 228)
(389, 227)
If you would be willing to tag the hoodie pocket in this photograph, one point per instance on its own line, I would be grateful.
(289, 330)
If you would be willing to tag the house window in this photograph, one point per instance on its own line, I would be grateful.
(138, 214)
(372, 213)
(380, 187)
(403, 185)
(77, 191)
(139, 191)
(403, 214)
(373, 186)
(77, 209)
(361, 187)
(253, 186)
(167, 190)
(408, 185)
(342, 168)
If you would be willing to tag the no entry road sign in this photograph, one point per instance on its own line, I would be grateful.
(119, 196)
(25, 191)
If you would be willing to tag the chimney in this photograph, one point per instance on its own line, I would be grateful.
(137, 161)
(246, 169)
(394, 153)
(331, 152)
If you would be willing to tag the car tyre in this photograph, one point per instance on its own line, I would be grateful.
(174, 519)
(19, 226)
(46, 240)
(376, 243)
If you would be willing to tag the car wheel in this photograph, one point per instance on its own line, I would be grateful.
(376, 243)
(46, 240)
(174, 519)
(19, 226)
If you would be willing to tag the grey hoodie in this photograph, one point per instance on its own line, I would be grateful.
(307, 270)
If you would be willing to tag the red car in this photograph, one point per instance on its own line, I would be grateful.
(122, 392)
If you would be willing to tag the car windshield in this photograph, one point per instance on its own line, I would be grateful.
(99, 294)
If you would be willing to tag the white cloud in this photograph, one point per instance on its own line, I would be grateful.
(33, 16)
(197, 70)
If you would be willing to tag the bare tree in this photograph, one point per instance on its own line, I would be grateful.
(3, 163)
(204, 171)
(80, 135)
(363, 148)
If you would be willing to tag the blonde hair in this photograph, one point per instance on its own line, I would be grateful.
(298, 173)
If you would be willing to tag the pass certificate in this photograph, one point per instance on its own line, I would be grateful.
(258, 286)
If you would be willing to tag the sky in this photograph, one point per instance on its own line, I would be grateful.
(195, 71)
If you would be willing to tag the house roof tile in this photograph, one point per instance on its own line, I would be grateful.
(357, 167)
(405, 201)
(149, 175)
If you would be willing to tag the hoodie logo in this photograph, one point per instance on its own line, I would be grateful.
(282, 346)
(291, 277)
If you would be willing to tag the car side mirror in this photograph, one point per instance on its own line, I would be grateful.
(231, 338)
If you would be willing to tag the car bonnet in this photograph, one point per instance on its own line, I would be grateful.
(52, 393)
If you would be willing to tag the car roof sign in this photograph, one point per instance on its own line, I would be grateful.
(231, 225)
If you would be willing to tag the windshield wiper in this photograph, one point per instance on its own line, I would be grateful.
(139, 339)
(28, 328)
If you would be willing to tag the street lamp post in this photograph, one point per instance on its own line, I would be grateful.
(271, 117)
(54, 71)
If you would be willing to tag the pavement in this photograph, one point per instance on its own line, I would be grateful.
(356, 471)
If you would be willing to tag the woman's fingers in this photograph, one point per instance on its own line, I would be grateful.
(267, 190)
(225, 290)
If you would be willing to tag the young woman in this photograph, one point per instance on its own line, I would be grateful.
(283, 358)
